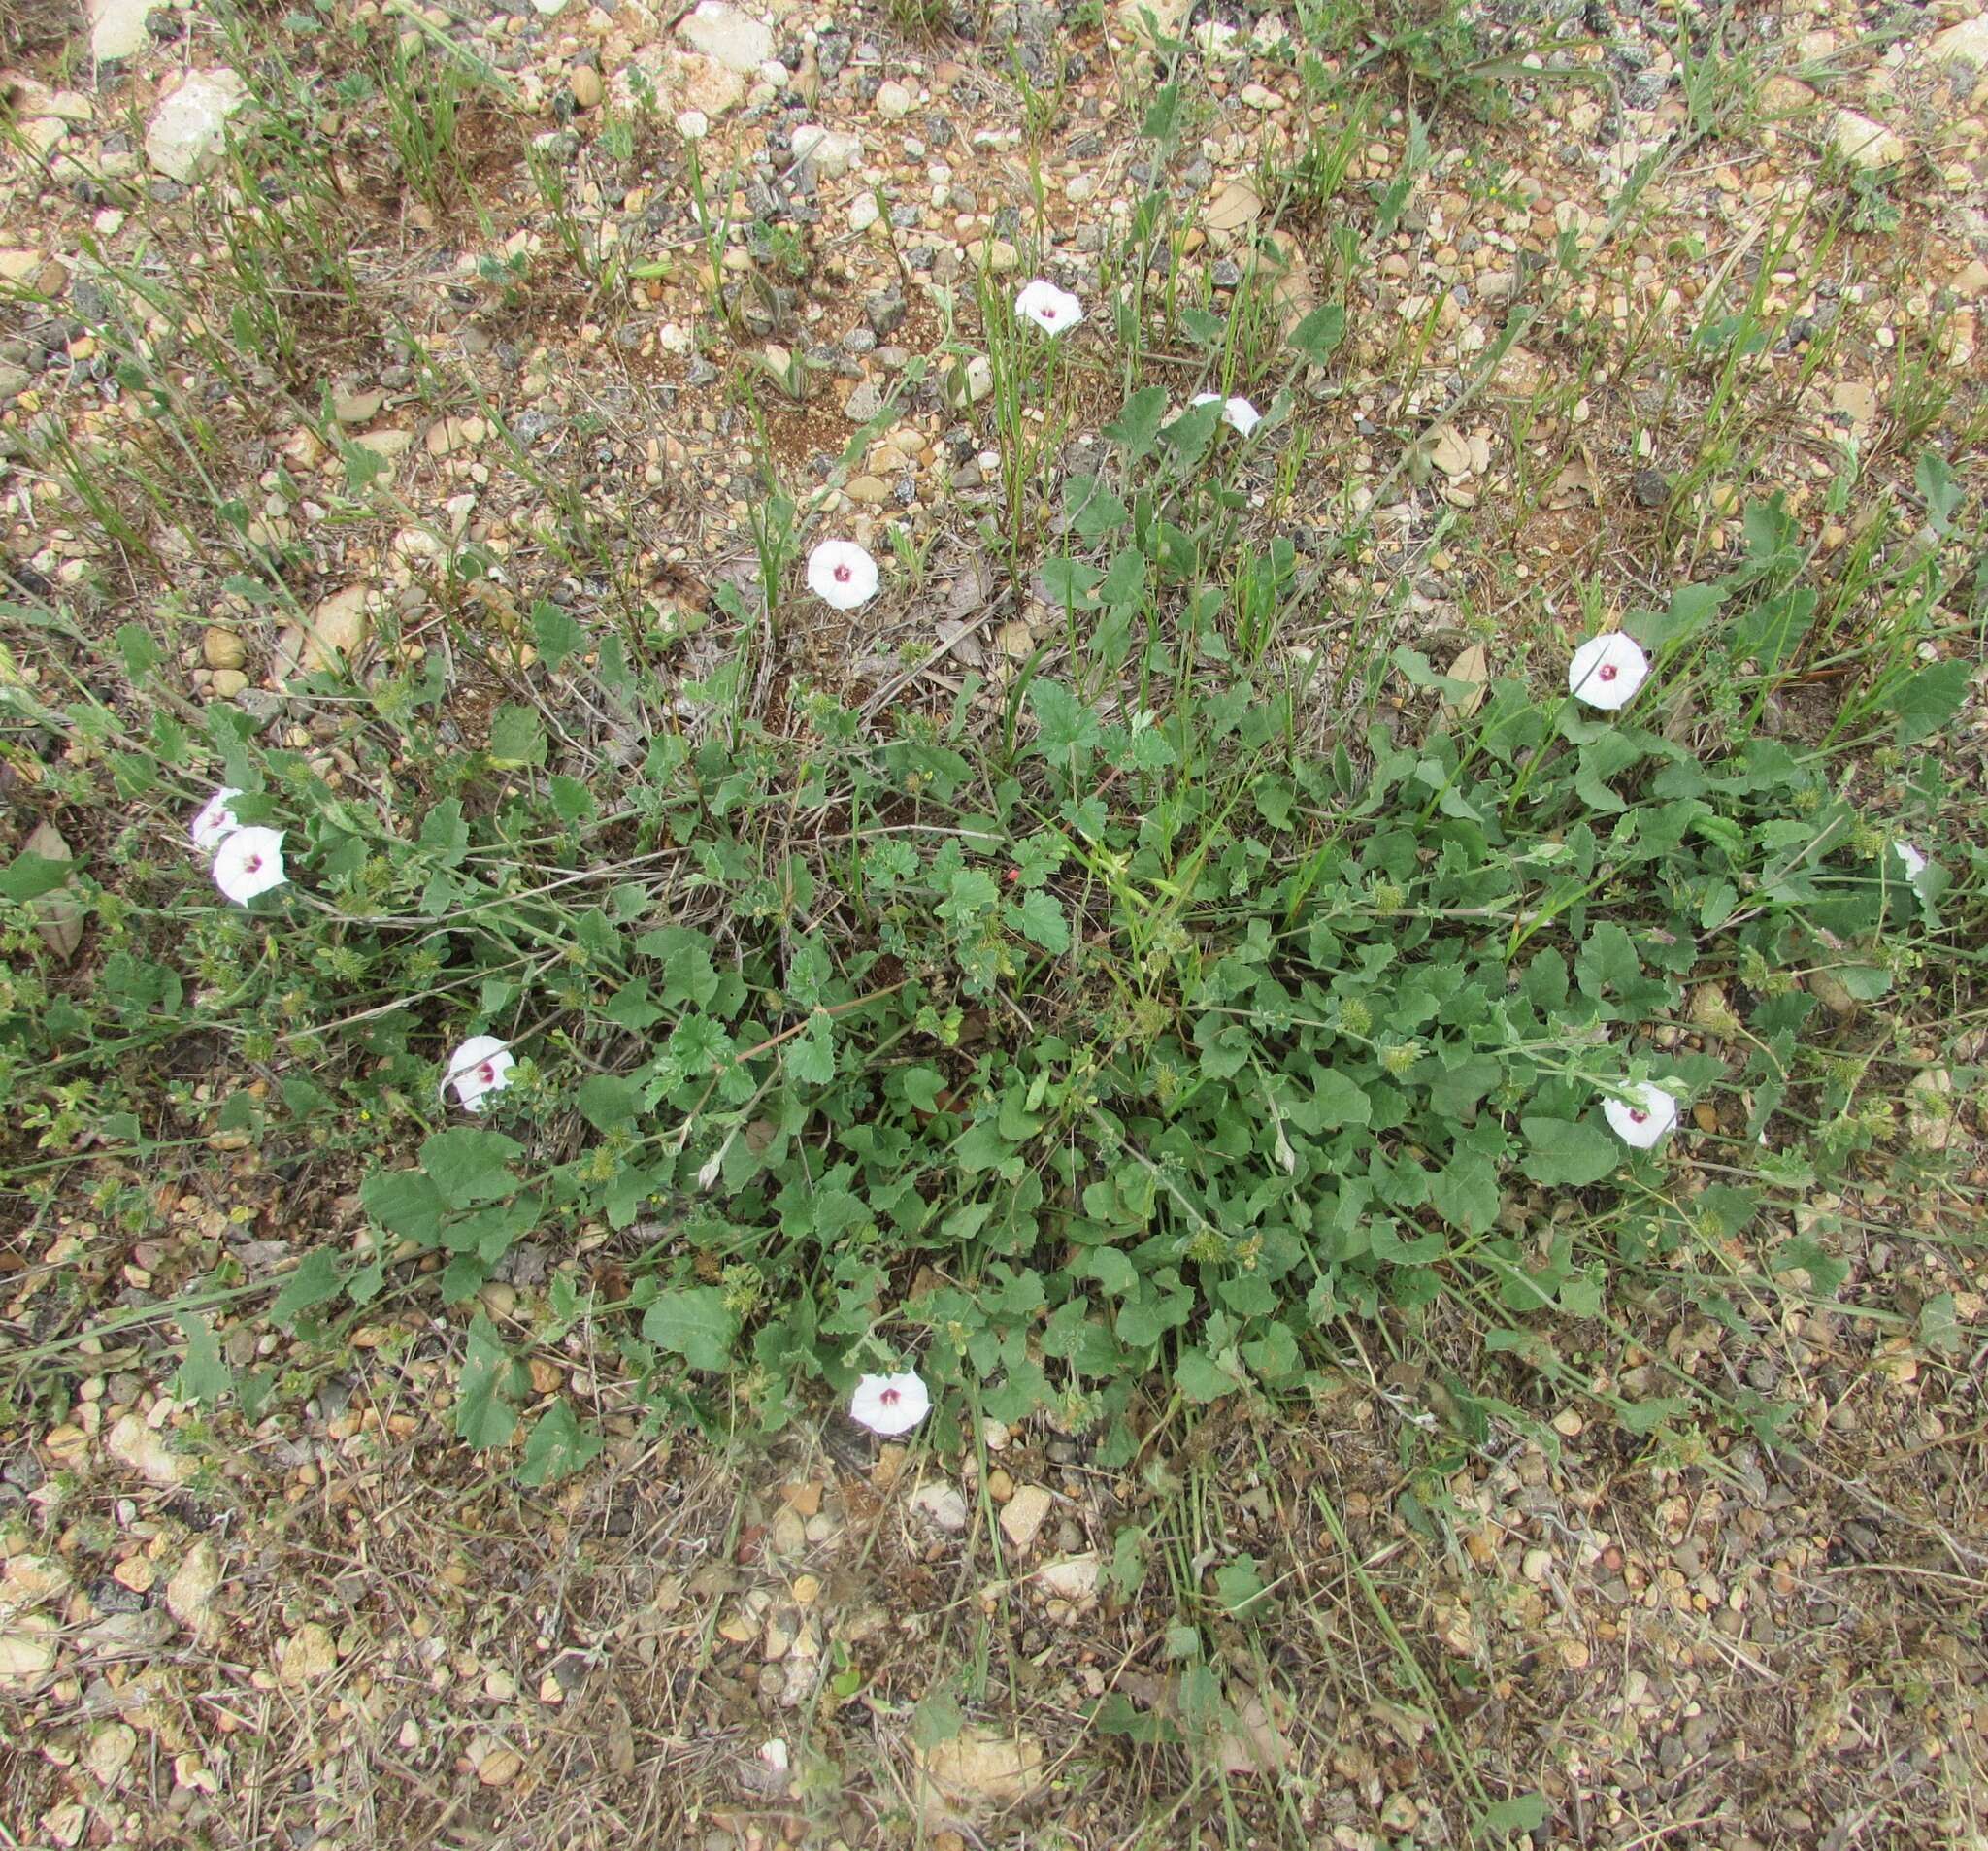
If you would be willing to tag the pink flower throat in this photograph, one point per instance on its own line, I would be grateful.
(891, 1396)
(1638, 1117)
(1610, 670)
(841, 575)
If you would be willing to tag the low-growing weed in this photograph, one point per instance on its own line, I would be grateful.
(1123, 1030)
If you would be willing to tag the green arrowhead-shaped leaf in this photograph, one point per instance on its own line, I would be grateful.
(557, 1446)
(1566, 1153)
(468, 1166)
(483, 1413)
(692, 1322)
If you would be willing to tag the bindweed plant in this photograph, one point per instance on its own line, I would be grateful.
(1144, 1023)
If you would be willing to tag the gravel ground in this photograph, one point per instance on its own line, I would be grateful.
(330, 1626)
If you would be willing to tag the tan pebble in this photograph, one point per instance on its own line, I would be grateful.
(500, 1766)
(1000, 1486)
(308, 1654)
(1704, 1115)
(584, 84)
(222, 649)
(227, 684)
(499, 1298)
(1023, 1515)
(786, 1535)
(808, 1590)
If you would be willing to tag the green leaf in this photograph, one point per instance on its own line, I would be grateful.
(1124, 582)
(1201, 1377)
(1274, 798)
(1040, 920)
(138, 648)
(1385, 1237)
(630, 1006)
(937, 1718)
(1602, 759)
(556, 635)
(1338, 1101)
(203, 1376)
(980, 1147)
(1825, 1271)
(1925, 702)
(692, 1322)
(29, 876)
(969, 895)
(1092, 510)
(1940, 1327)
(517, 738)
(1608, 971)
(1320, 333)
(1717, 904)
(1936, 484)
(318, 1278)
(1692, 607)
(483, 1413)
(1158, 1307)
(405, 1203)
(1522, 1812)
(572, 801)
(468, 1166)
(1238, 1586)
(1111, 1267)
(557, 1446)
(1066, 724)
(1136, 428)
(363, 467)
(1226, 1047)
(463, 1277)
(445, 835)
(1646, 1416)
(688, 974)
(810, 1058)
(1566, 1153)
(1465, 1193)
(608, 1102)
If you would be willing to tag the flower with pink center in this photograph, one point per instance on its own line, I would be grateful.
(840, 572)
(1606, 671)
(215, 822)
(249, 862)
(481, 1066)
(1052, 309)
(890, 1405)
(1642, 1117)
